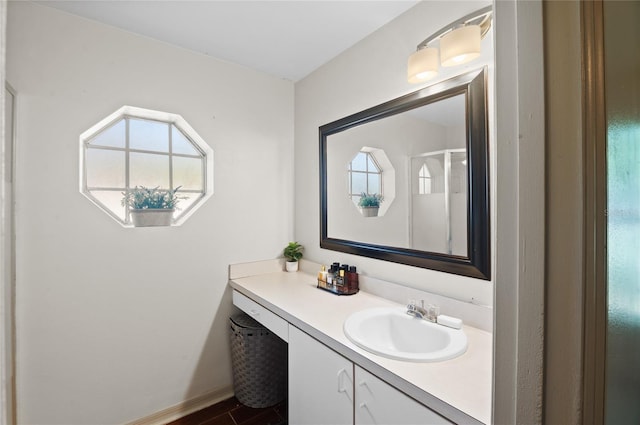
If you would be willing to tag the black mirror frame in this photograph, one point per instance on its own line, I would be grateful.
(478, 262)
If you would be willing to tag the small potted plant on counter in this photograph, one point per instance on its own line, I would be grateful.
(369, 204)
(151, 207)
(292, 253)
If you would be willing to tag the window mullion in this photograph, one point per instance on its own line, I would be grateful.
(127, 182)
(169, 129)
(369, 171)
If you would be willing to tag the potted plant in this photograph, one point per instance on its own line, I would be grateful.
(292, 253)
(151, 207)
(369, 204)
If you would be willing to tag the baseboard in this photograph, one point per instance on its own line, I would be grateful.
(186, 407)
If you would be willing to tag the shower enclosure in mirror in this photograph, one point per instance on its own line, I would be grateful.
(439, 191)
(426, 156)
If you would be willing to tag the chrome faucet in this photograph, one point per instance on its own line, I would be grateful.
(416, 311)
(430, 313)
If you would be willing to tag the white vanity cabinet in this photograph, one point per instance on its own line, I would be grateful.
(322, 388)
(377, 402)
(331, 381)
(320, 383)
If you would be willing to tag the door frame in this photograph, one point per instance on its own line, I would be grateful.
(595, 205)
(7, 296)
(520, 213)
(575, 307)
(7, 242)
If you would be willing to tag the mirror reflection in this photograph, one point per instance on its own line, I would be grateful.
(424, 157)
(396, 156)
(439, 202)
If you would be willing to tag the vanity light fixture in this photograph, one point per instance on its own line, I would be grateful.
(459, 43)
(423, 65)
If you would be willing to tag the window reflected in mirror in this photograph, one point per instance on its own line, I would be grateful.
(370, 173)
(365, 176)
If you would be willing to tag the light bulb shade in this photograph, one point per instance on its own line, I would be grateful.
(422, 65)
(460, 45)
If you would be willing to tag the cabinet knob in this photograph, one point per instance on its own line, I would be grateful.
(348, 389)
(365, 385)
(341, 388)
(364, 406)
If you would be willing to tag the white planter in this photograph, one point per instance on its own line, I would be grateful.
(151, 217)
(291, 266)
(369, 211)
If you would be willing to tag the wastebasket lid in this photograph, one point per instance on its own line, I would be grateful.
(245, 321)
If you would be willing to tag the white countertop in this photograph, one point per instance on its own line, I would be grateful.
(463, 383)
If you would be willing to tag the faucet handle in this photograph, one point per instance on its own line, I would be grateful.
(414, 310)
(433, 311)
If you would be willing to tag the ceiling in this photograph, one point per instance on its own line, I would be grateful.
(287, 39)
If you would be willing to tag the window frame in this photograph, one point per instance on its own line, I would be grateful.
(127, 113)
(424, 180)
(355, 197)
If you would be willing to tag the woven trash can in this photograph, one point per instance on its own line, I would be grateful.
(259, 362)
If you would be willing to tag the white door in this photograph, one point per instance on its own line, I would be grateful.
(320, 383)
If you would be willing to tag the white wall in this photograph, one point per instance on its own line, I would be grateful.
(7, 101)
(114, 324)
(372, 72)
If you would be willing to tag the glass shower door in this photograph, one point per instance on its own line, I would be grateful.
(439, 202)
(622, 82)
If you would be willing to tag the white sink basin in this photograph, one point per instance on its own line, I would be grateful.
(390, 332)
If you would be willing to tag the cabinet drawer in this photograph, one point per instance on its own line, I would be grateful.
(271, 321)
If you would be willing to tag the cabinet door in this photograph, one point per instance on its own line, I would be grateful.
(320, 383)
(379, 403)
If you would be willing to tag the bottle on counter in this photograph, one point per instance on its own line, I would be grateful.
(340, 279)
(322, 277)
(330, 276)
(336, 275)
(352, 279)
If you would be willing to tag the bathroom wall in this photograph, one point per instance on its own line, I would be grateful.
(6, 236)
(371, 72)
(114, 324)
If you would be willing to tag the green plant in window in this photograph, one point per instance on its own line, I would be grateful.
(142, 198)
(293, 251)
(368, 200)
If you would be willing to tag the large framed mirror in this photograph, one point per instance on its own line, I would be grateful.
(423, 159)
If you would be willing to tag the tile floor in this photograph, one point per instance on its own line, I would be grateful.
(231, 412)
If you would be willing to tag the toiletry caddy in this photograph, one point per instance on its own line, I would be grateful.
(339, 280)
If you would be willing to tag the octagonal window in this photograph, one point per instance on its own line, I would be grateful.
(135, 147)
(370, 171)
(365, 176)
